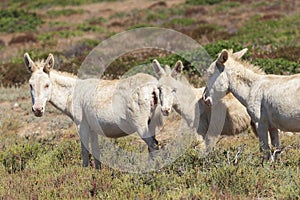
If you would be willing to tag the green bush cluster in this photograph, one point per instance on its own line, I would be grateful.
(15, 157)
(18, 21)
(203, 2)
(277, 66)
(180, 21)
(216, 47)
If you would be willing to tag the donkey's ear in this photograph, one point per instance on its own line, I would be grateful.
(29, 64)
(223, 57)
(49, 64)
(177, 69)
(240, 53)
(157, 68)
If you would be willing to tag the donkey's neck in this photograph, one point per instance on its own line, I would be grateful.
(241, 81)
(187, 103)
(62, 92)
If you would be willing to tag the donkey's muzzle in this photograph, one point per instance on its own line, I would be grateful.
(205, 99)
(38, 111)
(166, 111)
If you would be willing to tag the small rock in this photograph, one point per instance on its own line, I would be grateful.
(16, 105)
(289, 133)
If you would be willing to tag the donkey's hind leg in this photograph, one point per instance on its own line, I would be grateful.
(95, 149)
(84, 138)
(274, 137)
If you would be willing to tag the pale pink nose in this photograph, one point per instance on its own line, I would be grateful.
(38, 110)
(166, 111)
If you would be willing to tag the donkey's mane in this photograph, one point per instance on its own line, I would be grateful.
(246, 64)
(180, 78)
(40, 64)
(67, 74)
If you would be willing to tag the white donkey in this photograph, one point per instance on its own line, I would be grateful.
(272, 101)
(112, 108)
(187, 101)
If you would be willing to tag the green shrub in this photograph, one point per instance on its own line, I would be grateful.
(156, 15)
(277, 66)
(90, 28)
(18, 21)
(65, 153)
(15, 157)
(180, 21)
(224, 6)
(203, 2)
(216, 47)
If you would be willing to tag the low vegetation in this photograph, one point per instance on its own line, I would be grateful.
(51, 169)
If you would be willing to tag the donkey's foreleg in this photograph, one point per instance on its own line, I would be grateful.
(85, 154)
(263, 140)
(149, 139)
(215, 126)
(95, 149)
(263, 135)
(152, 130)
(152, 144)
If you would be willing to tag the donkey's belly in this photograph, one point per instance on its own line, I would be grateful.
(286, 121)
(114, 131)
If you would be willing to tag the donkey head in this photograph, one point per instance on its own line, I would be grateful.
(40, 84)
(167, 85)
(217, 85)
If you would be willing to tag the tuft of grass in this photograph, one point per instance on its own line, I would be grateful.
(180, 21)
(96, 20)
(90, 28)
(223, 6)
(139, 26)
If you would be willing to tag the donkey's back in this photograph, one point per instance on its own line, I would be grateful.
(113, 106)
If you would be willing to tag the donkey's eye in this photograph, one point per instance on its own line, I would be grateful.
(46, 86)
(174, 90)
